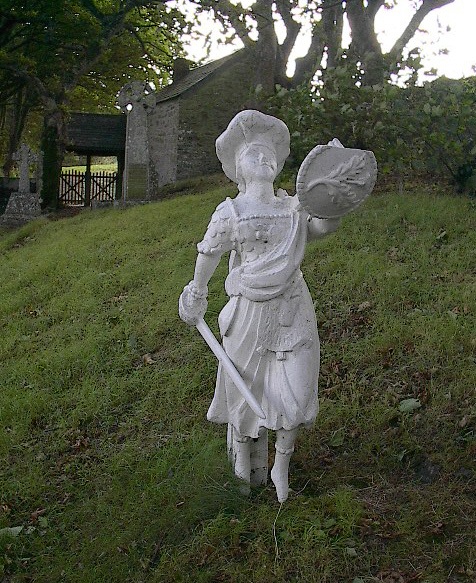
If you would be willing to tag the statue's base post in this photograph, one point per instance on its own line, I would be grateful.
(259, 459)
(258, 455)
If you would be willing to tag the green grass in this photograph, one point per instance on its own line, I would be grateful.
(94, 168)
(107, 460)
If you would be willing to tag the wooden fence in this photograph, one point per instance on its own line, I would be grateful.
(81, 188)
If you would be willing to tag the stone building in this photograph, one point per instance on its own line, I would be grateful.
(171, 133)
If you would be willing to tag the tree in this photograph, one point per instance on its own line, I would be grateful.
(50, 50)
(326, 19)
(14, 111)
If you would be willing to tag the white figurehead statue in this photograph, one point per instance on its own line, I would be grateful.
(268, 327)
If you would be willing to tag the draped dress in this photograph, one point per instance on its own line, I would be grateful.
(268, 326)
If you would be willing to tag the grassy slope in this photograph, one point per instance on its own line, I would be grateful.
(108, 462)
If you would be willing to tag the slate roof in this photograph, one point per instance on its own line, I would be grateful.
(193, 77)
(96, 134)
(105, 134)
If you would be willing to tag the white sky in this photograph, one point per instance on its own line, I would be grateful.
(460, 17)
(460, 40)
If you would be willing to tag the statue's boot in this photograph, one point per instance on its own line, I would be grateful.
(280, 472)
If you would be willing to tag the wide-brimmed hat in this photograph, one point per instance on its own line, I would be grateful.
(251, 127)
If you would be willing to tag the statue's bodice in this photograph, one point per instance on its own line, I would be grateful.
(256, 234)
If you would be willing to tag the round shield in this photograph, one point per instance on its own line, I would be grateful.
(333, 180)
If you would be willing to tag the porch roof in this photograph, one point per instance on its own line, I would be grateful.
(96, 134)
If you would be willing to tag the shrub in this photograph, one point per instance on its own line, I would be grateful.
(430, 129)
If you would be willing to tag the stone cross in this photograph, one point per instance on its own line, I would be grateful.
(24, 205)
(132, 94)
(24, 156)
(131, 100)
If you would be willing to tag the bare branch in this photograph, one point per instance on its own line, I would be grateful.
(229, 15)
(284, 8)
(33, 83)
(373, 7)
(306, 66)
(396, 51)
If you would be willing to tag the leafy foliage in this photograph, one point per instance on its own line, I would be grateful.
(79, 53)
(61, 42)
(414, 129)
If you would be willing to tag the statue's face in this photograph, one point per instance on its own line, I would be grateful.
(257, 162)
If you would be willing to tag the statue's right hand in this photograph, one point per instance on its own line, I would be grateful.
(192, 304)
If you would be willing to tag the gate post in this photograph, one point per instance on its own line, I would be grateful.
(87, 192)
(120, 177)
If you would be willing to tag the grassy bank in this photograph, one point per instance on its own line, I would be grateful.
(110, 472)
(94, 168)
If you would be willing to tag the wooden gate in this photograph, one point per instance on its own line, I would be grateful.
(81, 188)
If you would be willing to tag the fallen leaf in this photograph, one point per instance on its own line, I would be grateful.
(437, 528)
(12, 530)
(390, 577)
(119, 298)
(80, 443)
(147, 359)
(442, 236)
(337, 438)
(409, 405)
(34, 515)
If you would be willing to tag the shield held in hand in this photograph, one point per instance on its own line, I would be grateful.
(333, 180)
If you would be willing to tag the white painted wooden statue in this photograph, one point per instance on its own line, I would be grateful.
(269, 357)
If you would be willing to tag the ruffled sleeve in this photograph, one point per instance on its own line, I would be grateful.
(219, 237)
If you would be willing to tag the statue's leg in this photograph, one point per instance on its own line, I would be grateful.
(239, 453)
(279, 474)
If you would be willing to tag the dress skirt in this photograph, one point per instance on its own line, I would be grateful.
(274, 344)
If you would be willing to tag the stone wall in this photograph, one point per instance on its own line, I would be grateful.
(205, 112)
(181, 131)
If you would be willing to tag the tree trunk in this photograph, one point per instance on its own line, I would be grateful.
(365, 47)
(53, 146)
(17, 114)
(267, 47)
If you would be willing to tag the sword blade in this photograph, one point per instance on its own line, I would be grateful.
(230, 368)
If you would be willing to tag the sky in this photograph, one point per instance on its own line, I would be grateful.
(459, 40)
